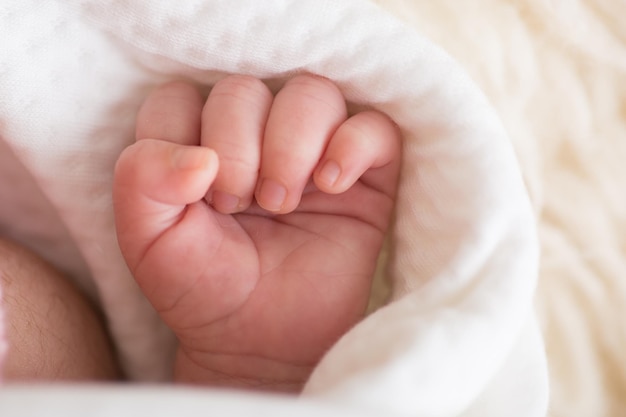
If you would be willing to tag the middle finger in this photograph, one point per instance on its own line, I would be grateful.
(304, 116)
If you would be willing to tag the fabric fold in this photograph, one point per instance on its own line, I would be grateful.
(464, 252)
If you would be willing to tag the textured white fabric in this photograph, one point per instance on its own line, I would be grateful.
(155, 401)
(463, 258)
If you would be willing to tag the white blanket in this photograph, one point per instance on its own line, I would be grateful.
(458, 337)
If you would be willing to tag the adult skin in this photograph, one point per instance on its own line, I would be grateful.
(53, 331)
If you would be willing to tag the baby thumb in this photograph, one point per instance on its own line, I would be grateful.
(154, 181)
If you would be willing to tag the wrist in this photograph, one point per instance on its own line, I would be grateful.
(239, 371)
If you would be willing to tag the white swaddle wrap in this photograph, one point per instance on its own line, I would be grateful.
(458, 337)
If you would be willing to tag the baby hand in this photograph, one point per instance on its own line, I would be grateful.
(253, 223)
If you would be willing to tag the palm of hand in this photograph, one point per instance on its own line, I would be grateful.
(277, 286)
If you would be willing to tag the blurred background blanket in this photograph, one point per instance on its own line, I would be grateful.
(556, 73)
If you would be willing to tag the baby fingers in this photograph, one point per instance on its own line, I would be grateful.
(304, 116)
(366, 141)
(271, 147)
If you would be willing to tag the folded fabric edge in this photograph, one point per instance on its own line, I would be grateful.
(521, 384)
(318, 68)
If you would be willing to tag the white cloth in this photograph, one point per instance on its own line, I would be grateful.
(458, 337)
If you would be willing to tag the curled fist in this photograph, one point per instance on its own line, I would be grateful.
(252, 223)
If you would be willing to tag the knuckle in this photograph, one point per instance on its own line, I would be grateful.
(237, 174)
(175, 87)
(311, 81)
(242, 87)
(317, 89)
(180, 92)
(358, 128)
(371, 125)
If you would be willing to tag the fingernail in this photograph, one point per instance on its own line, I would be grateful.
(225, 202)
(272, 195)
(188, 158)
(330, 172)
